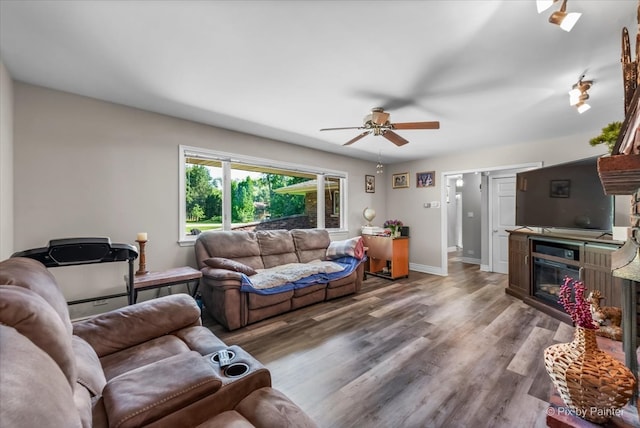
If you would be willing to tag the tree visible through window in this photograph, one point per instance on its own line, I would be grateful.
(260, 197)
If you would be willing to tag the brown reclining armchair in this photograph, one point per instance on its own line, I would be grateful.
(148, 364)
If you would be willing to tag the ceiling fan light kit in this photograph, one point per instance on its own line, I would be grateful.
(377, 123)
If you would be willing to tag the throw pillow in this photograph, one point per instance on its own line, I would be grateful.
(228, 264)
(353, 247)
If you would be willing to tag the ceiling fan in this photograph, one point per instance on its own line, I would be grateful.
(377, 122)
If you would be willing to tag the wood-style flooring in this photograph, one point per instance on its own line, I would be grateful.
(426, 351)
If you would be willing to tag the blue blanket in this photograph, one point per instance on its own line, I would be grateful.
(349, 263)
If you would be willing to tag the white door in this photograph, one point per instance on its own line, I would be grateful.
(503, 216)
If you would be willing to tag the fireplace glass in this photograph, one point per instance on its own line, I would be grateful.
(553, 262)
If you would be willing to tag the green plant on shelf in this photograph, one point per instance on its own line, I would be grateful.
(608, 136)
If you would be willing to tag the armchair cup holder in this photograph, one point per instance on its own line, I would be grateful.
(236, 370)
(216, 359)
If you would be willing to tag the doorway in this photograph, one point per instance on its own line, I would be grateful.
(494, 209)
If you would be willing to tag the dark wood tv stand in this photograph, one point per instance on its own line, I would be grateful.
(587, 257)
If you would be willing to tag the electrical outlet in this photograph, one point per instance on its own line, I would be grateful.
(100, 302)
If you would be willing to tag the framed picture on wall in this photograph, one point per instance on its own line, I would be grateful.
(370, 183)
(426, 179)
(560, 188)
(400, 180)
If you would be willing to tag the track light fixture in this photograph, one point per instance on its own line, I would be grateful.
(578, 95)
(543, 5)
(565, 20)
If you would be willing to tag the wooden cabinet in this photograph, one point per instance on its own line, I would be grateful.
(596, 272)
(519, 270)
(388, 257)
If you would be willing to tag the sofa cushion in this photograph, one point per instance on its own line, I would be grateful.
(142, 354)
(149, 393)
(311, 244)
(224, 263)
(90, 374)
(302, 291)
(31, 274)
(341, 282)
(34, 391)
(276, 247)
(35, 319)
(239, 246)
(130, 325)
(256, 300)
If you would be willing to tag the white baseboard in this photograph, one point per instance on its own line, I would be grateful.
(426, 269)
(452, 249)
(470, 260)
(484, 268)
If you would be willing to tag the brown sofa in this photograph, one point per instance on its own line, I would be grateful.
(237, 252)
(148, 364)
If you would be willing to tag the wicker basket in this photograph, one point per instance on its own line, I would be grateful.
(591, 382)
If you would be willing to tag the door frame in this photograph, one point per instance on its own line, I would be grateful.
(486, 226)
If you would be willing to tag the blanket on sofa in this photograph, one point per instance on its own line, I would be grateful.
(298, 275)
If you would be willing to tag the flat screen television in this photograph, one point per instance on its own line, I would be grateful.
(564, 196)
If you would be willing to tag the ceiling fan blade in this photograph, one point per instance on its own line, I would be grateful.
(353, 140)
(416, 125)
(394, 138)
(338, 129)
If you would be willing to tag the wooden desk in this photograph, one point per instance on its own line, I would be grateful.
(166, 278)
(387, 254)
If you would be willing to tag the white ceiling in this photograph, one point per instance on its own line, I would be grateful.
(492, 72)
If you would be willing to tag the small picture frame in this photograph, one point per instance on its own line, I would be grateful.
(425, 179)
(400, 181)
(559, 188)
(370, 183)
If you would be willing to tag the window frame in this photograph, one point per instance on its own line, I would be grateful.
(227, 159)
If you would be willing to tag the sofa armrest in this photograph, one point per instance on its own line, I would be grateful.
(151, 392)
(131, 325)
(223, 275)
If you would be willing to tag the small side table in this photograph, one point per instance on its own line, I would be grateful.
(166, 278)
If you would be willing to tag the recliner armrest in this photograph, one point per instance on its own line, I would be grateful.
(131, 325)
(151, 392)
(218, 274)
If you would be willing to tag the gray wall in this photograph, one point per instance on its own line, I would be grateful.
(6, 163)
(85, 167)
